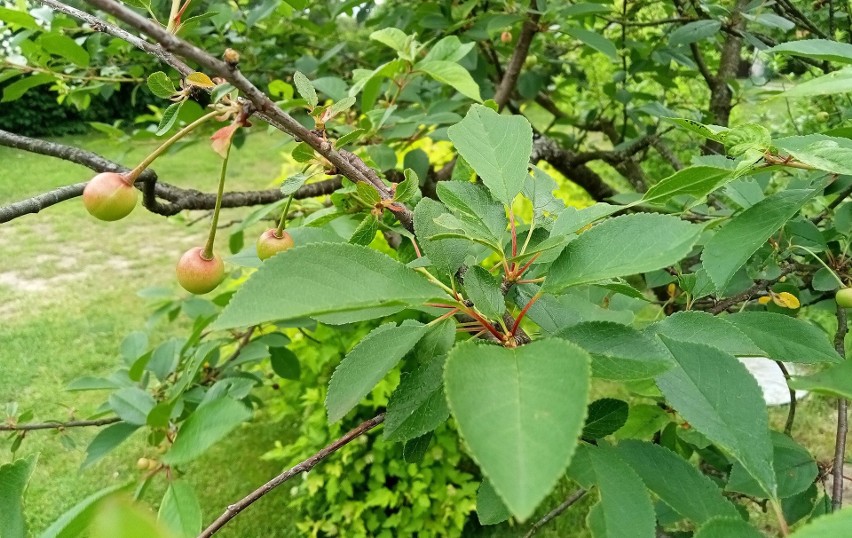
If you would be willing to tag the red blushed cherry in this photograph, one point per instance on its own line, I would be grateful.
(197, 274)
(270, 243)
(110, 196)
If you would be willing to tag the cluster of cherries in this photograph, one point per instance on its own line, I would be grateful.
(112, 196)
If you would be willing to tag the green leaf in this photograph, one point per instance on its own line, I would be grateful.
(817, 49)
(618, 351)
(408, 188)
(449, 49)
(305, 88)
(714, 392)
(695, 181)
(795, 470)
(483, 289)
(452, 74)
(604, 417)
(622, 246)
(105, 441)
(414, 450)
(366, 231)
(180, 509)
(837, 524)
(481, 215)
(368, 194)
(170, 117)
(833, 83)
(19, 18)
(117, 516)
(498, 147)
(62, 45)
(161, 85)
(834, 381)
(732, 246)
(74, 522)
(694, 31)
(827, 153)
(595, 41)
(303, 153)
(132, 405)
(341, 106)
(520, 412)
(784, 338)
(490, 509)
(324, 278)
(625, 508)
(418, 405)
(713, 132)
(293, 183)
(705, 328)
(18, 88)
(572, 220)
(285, 363)
(368, 362)
(14, 478)
(206, 426)
(392, 37)
(727, 528)
(682, 487)
(447, 255)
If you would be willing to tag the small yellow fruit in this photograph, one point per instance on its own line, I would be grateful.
(142, 463)
(270, 243)
(506, 37)
(844, 297)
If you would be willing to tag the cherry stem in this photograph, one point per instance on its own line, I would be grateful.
(283, 222)
(485, 323)
(523, 313)
(416, 248)
(208, 248)
(523, 269)
(179, 15)
(134, 174)
(442, 317)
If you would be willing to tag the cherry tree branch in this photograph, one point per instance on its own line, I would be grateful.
(556, 512)
(102, 26)
(298, 469)
(346, 163)
(177, 199)
(842, 424)
(57, 425)
(519, 56)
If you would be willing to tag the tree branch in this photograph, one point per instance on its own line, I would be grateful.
(556, 512)
(545, 148)
(264, 107)
(758, 286)
(842, 425)
(302, 467)
(178, 199)
(57, 425)
(519, 56)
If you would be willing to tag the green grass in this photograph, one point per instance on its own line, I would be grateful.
(68, 288)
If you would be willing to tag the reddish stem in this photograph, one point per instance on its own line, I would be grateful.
(485, 323)
(524, 313)
(523, 269)
(416, 248)
(449, 314)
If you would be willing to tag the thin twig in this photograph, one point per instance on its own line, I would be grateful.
(57, 425)
(757, 287)
(519, 56)
(553, 514)
(177, 199)
(842, 425)
(791, 414)
(302, 467)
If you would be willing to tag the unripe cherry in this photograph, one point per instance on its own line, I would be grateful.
(110, 196)
(844, 297)
(270, 243)
(506, 37)
(197, 274)
(142, 463)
